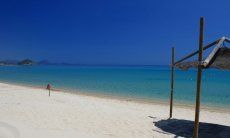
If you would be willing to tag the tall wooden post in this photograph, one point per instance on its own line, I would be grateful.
(172, 83)
(199, 75)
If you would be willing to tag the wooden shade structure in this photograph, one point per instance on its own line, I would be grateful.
(219, 58)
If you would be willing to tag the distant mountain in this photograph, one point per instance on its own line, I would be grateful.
(16, 62)
(44, 62)
(8, 62)
(31, 62)
(26, 62)
(66, 64)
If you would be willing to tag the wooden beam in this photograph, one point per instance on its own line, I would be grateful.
(172, 83)
(214, 51)
(199, 76)
(196, 52)
(227, 40)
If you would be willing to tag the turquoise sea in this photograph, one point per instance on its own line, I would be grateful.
(138, 82)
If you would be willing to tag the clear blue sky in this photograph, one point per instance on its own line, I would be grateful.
(107, 31)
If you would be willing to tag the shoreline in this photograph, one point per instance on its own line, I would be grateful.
(123, 98)
(30, 112)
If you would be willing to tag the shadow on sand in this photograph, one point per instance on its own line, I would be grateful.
(184, 128)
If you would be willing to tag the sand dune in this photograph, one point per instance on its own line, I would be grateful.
(29, 112)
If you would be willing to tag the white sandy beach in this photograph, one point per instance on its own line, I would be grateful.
(28, 112)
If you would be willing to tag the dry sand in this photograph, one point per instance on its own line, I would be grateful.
(30, 113)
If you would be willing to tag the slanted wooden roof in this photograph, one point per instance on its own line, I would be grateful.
(219, 58)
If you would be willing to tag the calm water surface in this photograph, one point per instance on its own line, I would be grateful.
(140, 82)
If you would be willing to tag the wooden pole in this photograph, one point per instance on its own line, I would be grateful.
(199, 76)
(49, 92)
(172, 83)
